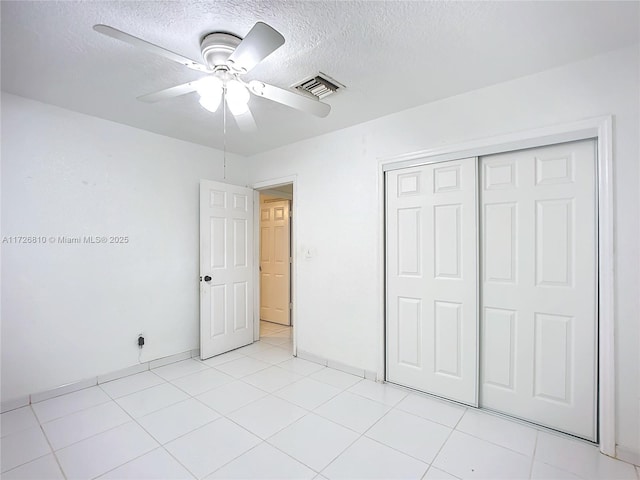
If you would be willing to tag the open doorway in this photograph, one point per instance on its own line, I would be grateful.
(275, 265)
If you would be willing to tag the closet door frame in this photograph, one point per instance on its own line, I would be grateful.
(600, 129)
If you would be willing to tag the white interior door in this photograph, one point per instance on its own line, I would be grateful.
(275, 251)
(226, 267)
(432, 279)
(538, 261)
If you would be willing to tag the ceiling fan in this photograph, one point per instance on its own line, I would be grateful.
(227, 58)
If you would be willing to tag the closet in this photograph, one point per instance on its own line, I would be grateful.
(491, 283)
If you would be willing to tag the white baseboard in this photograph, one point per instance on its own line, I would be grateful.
(310, 357)
(627, 455)
(25, 400)
(63, 390)
(13, 404)
(359, 372)
(161, 362)
(125, 372)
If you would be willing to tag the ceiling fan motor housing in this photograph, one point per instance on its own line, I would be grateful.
(217, 47)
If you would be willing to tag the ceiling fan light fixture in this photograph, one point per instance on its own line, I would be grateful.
(210, 91)
(237, 97)
(210, 102)
(210, 86)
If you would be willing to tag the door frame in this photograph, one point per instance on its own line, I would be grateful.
(263, 187)
(598, 128)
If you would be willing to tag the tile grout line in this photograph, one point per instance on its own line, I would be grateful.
(360, 434)
(160, 445)
(364, 396)
(453, 429)
(53, 452)
(499, 445)
(428, 464)
(318, 472)
(533, 455)
(131, 393)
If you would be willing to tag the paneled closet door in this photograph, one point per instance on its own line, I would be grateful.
(432, 280)
(538, 301)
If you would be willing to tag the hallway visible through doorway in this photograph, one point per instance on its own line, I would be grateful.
(276, 335)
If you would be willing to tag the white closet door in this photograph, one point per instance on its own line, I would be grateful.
(538, 302)
(431, 279)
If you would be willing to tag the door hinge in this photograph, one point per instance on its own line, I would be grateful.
(290, 305)
(290, 259)
(290, 213)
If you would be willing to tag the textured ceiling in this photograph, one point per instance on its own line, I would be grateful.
(391, 55)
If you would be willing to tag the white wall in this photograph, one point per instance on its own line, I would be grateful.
(70, 312)
(338, 204)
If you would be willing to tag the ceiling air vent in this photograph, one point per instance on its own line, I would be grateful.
(320, 86)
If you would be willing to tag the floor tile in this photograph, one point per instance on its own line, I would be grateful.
(469, 457)
(264, 462)
(380, 392)
(176, 420)
(210, 447)
(152, 399)
(437, 474)
(279, 332)
(415, 436)
(179, 369)
(287, 347)
(314, 440)
(336, 378)
(353, 411)
(242, 367)
(505, 433)
(273, 355)
(22, 447)
(201, 381)
(131, 384)
(255, 348)
(271, 379)
(223, 358)
(17, 420)
(155, 465)
(308, 393)
(438, 411)
(267, 416)
(72, 402)
(369, 459)
(300, 366)
(275, 340)
(97, 455)
(44, 468)
(579, 458)
(542, 471)
(231, 396)
(64, 431)
(274, 327)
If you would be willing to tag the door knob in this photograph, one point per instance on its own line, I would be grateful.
(207, 278)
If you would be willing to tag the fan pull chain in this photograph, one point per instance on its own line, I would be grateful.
(224, 133)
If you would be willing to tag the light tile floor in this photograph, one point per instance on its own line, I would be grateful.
(258, 412)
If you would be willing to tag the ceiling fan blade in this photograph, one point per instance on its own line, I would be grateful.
(149, 47)
(170, 92)
(290, 99)
(261, 41)
(246, 122)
